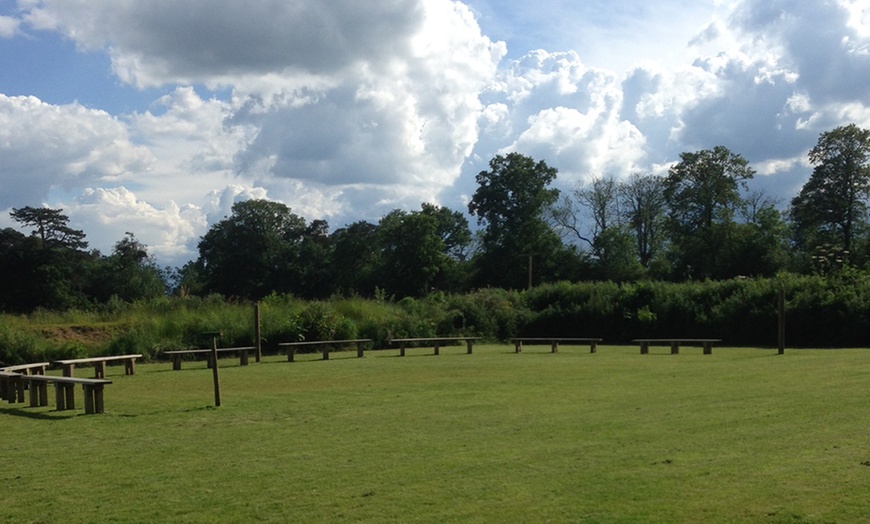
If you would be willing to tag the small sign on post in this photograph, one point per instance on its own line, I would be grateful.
(214, 359)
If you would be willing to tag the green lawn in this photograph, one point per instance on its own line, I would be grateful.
(738, 436)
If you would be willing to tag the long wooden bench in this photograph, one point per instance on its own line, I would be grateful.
(35, 368)
(436, 342)
(178, 355)
(69, 365)
(554, 342)
(325, 346)
(706, 343)
(12, 386)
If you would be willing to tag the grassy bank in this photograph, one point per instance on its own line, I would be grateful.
(741, 435)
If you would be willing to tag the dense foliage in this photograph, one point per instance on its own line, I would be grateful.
(821, 311)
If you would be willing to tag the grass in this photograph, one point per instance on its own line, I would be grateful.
(742, 435)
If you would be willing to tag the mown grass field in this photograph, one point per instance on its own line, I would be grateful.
(743, 435)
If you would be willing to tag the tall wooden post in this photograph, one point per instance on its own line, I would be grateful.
(257, 343)
(214, 358)
(781, 323)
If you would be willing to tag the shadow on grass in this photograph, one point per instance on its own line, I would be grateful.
(22, 412)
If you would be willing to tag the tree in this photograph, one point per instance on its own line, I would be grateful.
(129, 273)
(52, 227)
(452, 228)
(253, 252)
(355, 258)
(315, 262)
(831, 207)
(413, 253)
(510, 202)
(644, 206)
(49, 264)
(703, 193)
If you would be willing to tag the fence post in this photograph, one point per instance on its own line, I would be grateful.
(257, 342)
(781, 326)
(214, 358)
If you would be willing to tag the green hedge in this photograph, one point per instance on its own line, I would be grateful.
(821, 311)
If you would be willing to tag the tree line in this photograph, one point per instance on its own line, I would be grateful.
(700, 221)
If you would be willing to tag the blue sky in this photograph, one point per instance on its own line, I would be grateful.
(155, 117)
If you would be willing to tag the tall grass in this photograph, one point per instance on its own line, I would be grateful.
(821, 311)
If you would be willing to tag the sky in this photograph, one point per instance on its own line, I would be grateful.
(155, 116)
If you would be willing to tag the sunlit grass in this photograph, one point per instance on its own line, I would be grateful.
(740, 435)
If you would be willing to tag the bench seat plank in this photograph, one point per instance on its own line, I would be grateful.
(176, 355)
(555, 341)
(292, 346)
(437, 342)
(99, 363)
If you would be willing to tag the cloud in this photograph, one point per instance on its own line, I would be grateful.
(9, 26)
(396, 134)
(106, 214)
(824, 43)
(165, 41)
(45, 146)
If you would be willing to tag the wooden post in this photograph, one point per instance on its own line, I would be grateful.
(781, 318)
(257, 343)
(214, 358)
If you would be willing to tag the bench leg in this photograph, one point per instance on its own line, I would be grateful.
(100, 369)
(518, 346)
(325, 353)
(176, 362)
(593, 347)
(675, 348)
(708, 348)
(130, 367)
(359, 350)
(98, 399)
(291, 352)
(93, 398)
(470, 345)
(19, 389)
(402, 350)
(64, 396)
(243, 358)
(437, 349)
(554, 347)
(38, 394)
(34, 395)
(644, 348)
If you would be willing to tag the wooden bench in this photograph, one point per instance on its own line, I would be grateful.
(437, 342)
(554, 342)
(36, 368)
(99, 363)
(12, 386)
(325, 345)
(177, 356)
(706, 343)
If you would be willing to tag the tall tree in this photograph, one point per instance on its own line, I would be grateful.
(355, 258)
(253, 252)
(831, 207)
(703, 193)
(52, 227)
(510, 202)
(54, 265)
(644, 207)
(413, 253)
(129, 273)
